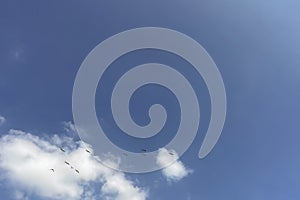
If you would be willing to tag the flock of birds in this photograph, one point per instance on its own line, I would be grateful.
(67, 163)
(125, 154)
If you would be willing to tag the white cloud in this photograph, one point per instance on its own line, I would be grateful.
(2, 120)
(112, 189)
(174, 172)
(26, 160)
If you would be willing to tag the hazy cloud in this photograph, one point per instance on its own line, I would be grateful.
(2, 120)
(69, 128)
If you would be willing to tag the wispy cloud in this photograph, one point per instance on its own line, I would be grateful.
(69, 128)
(174, 172)
(26, 160)
(19, 195)
(2, 120)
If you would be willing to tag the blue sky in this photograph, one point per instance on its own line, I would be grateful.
(255, 45)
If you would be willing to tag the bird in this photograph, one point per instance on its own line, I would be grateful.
(87, 151)
(72, 167)
(77, 171)
(67, 163)
(144, 150)
(62, 150)
(52, 170)
(172, 154)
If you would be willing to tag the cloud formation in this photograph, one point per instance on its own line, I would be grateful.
(26, 160)
(2, 120)
(69, 128)
(174, 172)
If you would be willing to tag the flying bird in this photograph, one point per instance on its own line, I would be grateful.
(62, 150)
(77, 171)
(52, 170)
(87, 151)
(144, 150)
(67, 163)
(171, 153)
